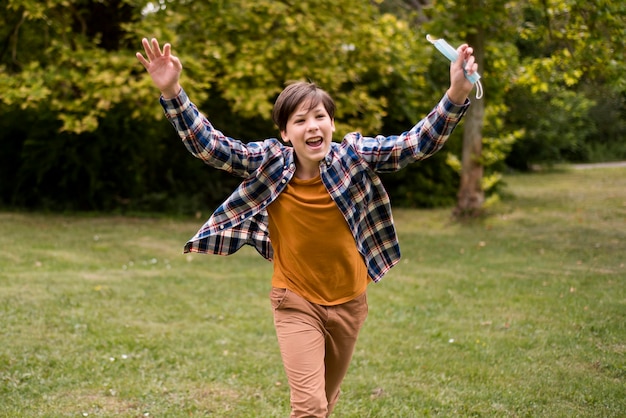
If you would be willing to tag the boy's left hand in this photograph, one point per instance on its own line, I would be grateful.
(460, 87)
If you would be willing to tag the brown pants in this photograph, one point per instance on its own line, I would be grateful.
(316, 343)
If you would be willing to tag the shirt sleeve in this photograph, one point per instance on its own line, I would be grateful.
(208, 144)
(392, 153)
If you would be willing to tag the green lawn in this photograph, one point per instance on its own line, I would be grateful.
(521, 314)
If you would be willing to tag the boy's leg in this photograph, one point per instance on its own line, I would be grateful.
(316, 344)
(343, 326)
(300, 330)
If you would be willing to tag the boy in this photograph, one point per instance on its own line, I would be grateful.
(321, 204)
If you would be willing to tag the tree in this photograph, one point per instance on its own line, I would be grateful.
(471, 193)
(544, 48)
(84, 81)
(570, 80)
(60, 55)
(246, 52)
(487, 28)
(76, 107)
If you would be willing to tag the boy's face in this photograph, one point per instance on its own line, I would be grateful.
(310, 131)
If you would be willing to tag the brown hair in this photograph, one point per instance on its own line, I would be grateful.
(296, 93)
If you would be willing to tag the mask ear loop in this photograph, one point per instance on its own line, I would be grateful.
(479, 90)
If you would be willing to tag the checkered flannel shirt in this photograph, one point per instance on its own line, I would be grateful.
(348, 172)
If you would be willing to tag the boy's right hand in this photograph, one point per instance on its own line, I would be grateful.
(163, 67)
(460, 86)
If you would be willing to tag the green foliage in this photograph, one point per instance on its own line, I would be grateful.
(71, 70)
(573, 39)
(78, 111)
(427, 184)
(103, 169)
(564, 49)
(556, 126)
(253, 48)
(609, 122)
(84, 77)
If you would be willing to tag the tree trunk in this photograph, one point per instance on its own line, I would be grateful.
(471, 196)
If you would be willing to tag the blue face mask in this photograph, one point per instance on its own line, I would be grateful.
(449, 52)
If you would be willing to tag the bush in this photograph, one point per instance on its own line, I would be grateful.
(123, 166)
(426, 184)
(608, 114)
(556, 126)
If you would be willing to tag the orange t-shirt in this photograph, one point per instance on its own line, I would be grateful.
(315, 254)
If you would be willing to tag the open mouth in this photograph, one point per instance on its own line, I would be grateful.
(314, 142)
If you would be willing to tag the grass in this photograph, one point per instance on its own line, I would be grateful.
(520, 314)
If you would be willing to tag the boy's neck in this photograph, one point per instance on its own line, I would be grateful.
(307, 173)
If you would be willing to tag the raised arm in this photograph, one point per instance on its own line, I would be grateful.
(197, 133)
(392, 153)
(163, 67)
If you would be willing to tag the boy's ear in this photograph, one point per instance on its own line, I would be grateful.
(283, 135)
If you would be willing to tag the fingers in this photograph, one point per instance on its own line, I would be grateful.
(155, 48)
(470, 65)
(147, 48)
(466, 59)
(142, 60)
(461, 58)
(152, 49)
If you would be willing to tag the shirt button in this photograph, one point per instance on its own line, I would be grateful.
(283, 181)
(221, 226)
(292, 165)
(243, 216)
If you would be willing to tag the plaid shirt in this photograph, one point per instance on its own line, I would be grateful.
(348, 172)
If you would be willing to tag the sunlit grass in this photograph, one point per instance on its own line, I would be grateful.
(519, 314)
